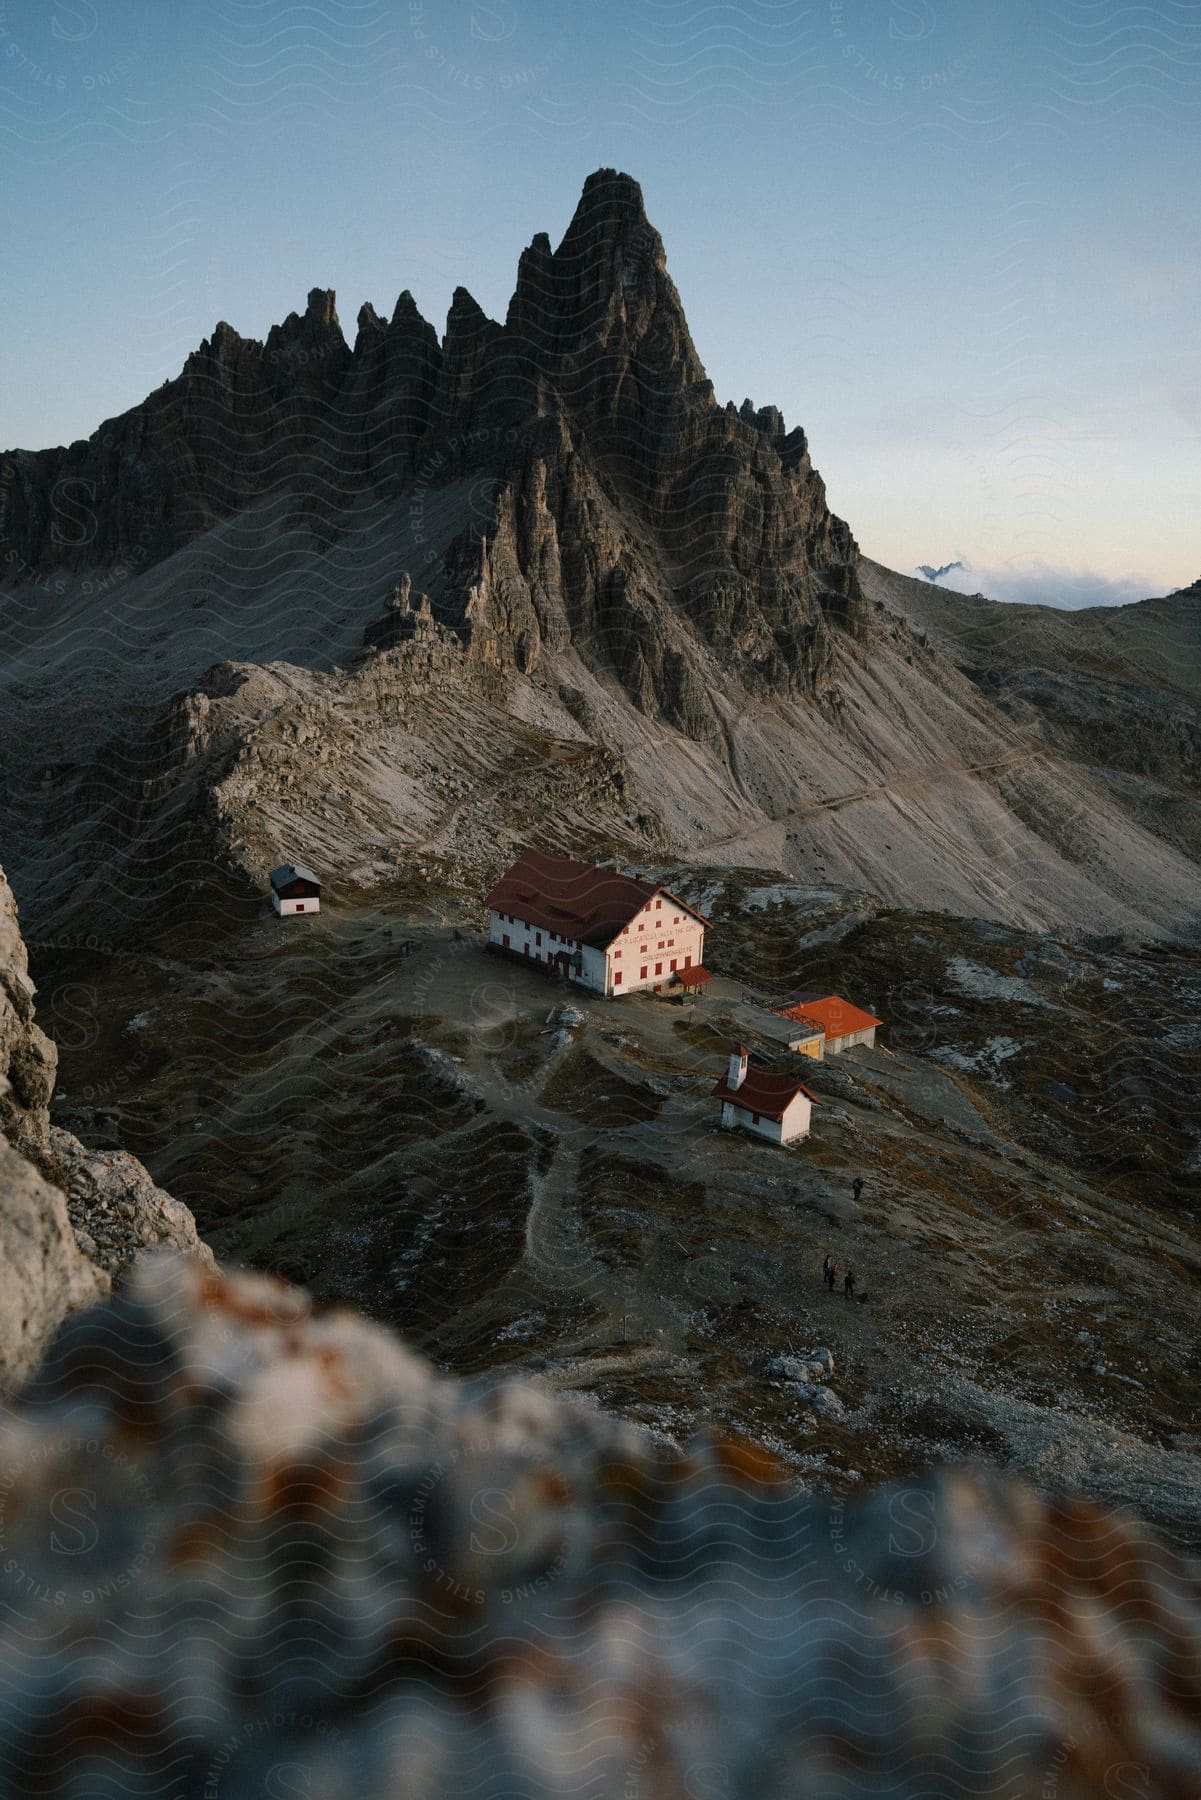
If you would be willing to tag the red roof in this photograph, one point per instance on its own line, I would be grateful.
(575, 899)
(831, 1014)
(696, 976)
(762, 1092)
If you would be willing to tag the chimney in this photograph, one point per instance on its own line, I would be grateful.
(736, 1074)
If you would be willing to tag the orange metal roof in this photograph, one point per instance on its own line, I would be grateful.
(575, 899)
(831, 1014)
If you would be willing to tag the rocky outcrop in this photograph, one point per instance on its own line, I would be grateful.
(44, 1274)
(43, 1271)
(617, 506)
(27, 1057)
(57, 1255)
(246, 1546)
(116, 1210)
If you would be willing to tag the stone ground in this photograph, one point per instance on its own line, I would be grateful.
(371, 1104)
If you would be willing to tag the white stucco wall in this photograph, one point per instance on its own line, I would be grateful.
(544, 946)
(835, 1045)
(661, 934)
(592, 971)
(309, 904)
(794, 1124)
(797, 1116)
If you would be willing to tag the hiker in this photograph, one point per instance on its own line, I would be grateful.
(848, 1284)
(831, 1276)
(826, 1268)
(857, 1186)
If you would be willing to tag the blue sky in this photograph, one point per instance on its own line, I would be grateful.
(958, 242)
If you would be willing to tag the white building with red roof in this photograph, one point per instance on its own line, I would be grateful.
(613, 933)
(776, 1107)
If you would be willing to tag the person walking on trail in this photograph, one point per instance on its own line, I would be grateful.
(831, 1276)
(857, 1186)
(826, 1268)
(848, 1284)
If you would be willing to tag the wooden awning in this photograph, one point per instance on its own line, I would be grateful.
(692, 978)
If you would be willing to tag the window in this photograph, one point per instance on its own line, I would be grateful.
(505, 939)
(754, 1118)
(670, 943)
(617, 978)
(300, 906)
(658, 968)
(537, 937)
(687, 962)
(658, 906)
(642, 973)
(673, 962)
(616, 954)
(526, 947)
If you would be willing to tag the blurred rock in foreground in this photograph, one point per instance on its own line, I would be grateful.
(245, 1550)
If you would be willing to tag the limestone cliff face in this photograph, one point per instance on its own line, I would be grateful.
(619, 507)
(58, 1253)
(27, 1057)
(43, 1272)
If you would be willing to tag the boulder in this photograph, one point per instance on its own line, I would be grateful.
(44, 1274)
(59, 1253)
(250, 1549)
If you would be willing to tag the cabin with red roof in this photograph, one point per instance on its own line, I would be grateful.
(613, 933)
(827, 1024)
(776, 1107)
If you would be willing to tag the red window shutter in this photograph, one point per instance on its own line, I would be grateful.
(658, 968)
(505, 940)
(687, 962)
(673, 962)
(617, 978)
(642, 974)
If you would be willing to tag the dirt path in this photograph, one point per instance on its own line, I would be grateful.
(906, 781)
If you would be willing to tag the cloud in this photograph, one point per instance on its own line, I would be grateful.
(1042, 584)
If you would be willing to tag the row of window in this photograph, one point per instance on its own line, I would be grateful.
(643, 924)
(554, 937)
(644, 971)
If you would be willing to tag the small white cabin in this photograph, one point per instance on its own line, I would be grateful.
(295, 889)
(775, 1107)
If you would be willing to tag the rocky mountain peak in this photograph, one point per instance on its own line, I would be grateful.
(621, 509)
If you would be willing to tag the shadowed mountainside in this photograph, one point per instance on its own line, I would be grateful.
(429, 597)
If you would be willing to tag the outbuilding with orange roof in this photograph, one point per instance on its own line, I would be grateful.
(827, 1024)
